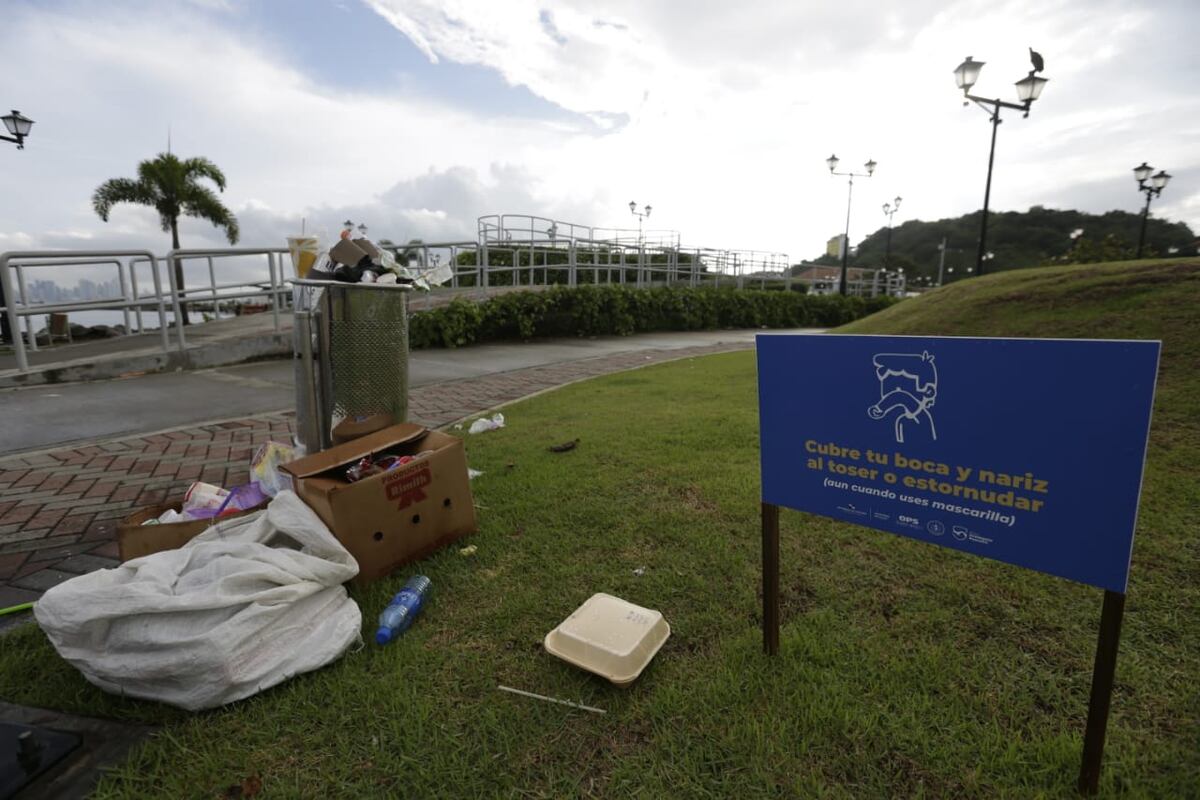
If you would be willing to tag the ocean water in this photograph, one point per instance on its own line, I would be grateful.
(116, 317)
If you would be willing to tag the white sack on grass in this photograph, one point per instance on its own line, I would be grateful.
(245, 605)
(483, 424)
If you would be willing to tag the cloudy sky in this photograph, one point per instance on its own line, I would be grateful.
(417, 116)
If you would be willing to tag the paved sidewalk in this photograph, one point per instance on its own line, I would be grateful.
(59, 508)
(69, 414)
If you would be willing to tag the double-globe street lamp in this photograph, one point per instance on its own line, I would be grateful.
(1028, 90)
(832, 161)
(890, 210)
(1158, 182)
(18, 125)
(641, 215)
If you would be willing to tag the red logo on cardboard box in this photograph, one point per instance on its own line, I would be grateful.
(408, 487)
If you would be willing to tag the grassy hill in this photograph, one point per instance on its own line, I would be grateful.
(1120, 300)
(1123, 300)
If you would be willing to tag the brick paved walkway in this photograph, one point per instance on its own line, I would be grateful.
(59, 509)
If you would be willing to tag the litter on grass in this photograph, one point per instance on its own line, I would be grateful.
(609, 636)
(483, 424)
(250, 603)
(469, 550)
(472, 474)
(552, 700)
(564, 447)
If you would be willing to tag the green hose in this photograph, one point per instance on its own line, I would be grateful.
(15, 609)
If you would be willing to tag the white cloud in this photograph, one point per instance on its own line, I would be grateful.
(283, 142)
(734, 108)
(719, 114)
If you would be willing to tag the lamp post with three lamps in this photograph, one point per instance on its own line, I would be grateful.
(1158, 182)
(832, 161)
(641, 215)
(890, 210)
(1028, 90)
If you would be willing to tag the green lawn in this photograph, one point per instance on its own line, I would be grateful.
(906, 670)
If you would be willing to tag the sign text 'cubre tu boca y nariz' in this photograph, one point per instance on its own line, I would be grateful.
(1028, 451)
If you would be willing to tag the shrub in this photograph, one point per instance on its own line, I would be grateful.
(621, 311)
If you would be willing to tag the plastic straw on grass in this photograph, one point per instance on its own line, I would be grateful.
(551, 699)
(15, 609)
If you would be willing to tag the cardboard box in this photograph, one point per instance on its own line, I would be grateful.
(396, 517)
(135, 540)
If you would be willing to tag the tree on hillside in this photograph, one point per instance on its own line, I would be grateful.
(170, 186)
(1089, 251)
(1020, 239)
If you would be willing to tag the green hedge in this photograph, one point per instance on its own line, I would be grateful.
(620, 311)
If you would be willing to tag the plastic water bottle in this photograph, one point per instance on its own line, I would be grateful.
(403, 609)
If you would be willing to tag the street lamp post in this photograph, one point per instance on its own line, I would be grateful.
(941, 261)
(832, 161)
(18, 125)
(1028, 90)
(890, 209)
(1158, 182)
(641, 215)
(942, 250)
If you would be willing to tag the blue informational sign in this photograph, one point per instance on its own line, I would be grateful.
(1028, 451)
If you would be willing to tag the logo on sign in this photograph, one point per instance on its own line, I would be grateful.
(907, 390)
(408, 487)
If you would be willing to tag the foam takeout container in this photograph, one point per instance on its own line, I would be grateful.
(610, 637)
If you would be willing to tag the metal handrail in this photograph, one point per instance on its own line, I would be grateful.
(21, 306)
(182, 255)
(657, 256)
(26, 300)
(13, 313)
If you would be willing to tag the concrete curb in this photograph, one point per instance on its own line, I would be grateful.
(217, 353)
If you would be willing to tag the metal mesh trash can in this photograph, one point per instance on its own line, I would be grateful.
(351, 353)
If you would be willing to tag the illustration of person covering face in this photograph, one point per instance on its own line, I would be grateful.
(907, 390)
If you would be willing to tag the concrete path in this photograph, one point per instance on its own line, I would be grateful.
(37, 417)
(59, 507)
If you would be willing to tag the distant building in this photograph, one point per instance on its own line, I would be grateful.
(834, 246)
(863, 281)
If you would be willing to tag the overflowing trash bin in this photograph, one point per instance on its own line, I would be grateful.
(351, 356)
(185, 619)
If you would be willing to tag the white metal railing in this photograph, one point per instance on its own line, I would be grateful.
(17, 306)
(132, 302)
(860, 281)
(562, 252)
(276, 293)
(656, 251)
(51, 308)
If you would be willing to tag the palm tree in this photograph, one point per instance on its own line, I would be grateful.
(169, 185)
